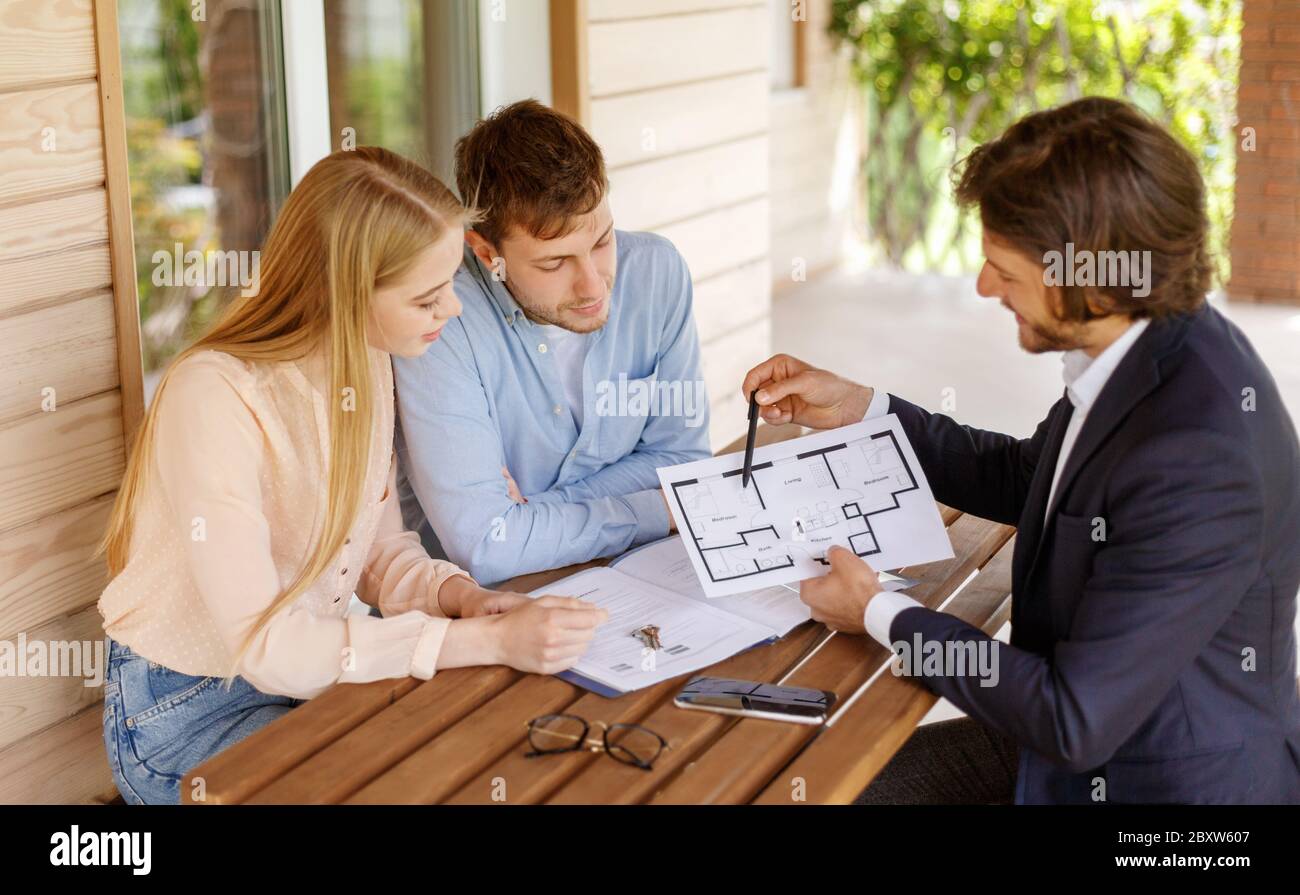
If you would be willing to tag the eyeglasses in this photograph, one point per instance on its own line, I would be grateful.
(629, 743)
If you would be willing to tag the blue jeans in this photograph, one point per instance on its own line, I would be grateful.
(159, 724)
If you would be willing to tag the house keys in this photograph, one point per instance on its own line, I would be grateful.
(649, 635)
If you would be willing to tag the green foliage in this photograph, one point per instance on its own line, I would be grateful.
(942, 76)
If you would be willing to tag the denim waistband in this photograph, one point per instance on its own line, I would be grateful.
(119, 652)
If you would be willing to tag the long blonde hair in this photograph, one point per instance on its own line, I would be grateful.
(357, 219)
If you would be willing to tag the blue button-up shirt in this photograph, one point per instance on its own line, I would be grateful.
(488, 394)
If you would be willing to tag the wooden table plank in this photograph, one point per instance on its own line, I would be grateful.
(270, 753)
(443, 764)
(510, 778)
(380, 742)
(836, 766)
(746, 758)
(688, 733)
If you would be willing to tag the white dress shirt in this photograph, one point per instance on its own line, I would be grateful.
(1084, 377)
(570, 351)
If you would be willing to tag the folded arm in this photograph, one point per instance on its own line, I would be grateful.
(666, 439)
(454, 457)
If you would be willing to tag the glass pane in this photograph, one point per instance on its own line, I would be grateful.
(375, 54)
(403, 74)
(207, 154)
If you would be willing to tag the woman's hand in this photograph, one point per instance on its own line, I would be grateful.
(547, 634)
(512, 487)
(791, 391)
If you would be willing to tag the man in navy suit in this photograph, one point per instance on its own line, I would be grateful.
(1157, 558)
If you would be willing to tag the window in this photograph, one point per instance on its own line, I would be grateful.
(397, 76)
(206, 148)
(229, 102)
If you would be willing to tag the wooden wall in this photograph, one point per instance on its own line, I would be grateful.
(746, 182)
(676, 92)
(66, 291)
(815, 144)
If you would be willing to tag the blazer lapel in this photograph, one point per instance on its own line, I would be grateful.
(1137, 375)
(1030, 529)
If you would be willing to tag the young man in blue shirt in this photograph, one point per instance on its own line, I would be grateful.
(530, 434)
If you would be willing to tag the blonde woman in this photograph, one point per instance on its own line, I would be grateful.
(260, 493)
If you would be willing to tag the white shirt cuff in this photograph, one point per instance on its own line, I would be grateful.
(880, 613)
(879, 405)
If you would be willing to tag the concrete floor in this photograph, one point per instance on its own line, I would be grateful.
(927, 337)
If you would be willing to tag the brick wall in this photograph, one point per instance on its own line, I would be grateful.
(1266, 229)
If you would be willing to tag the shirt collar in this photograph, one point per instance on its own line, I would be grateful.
(506, 305)
(1086, 376)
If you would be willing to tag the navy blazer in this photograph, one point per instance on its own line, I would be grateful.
(1153, 614)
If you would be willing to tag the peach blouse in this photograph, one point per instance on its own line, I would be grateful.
(233, 500)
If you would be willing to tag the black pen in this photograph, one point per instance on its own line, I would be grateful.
(749, 439)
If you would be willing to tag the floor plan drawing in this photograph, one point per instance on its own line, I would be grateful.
(860, 487)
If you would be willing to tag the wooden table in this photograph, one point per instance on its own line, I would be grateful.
(459, 738)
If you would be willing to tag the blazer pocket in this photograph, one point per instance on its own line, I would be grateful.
(1215, 774)
(1075, 539)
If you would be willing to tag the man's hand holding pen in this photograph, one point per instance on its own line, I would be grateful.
(787, 390)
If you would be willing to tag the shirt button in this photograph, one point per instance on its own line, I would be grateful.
(556, 410)
(542, 348)
(344, 572)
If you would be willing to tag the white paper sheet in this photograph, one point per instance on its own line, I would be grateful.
(777, 607)
(693, 634)
(860, 486)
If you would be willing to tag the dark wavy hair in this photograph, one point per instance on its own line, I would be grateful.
(1102, 175)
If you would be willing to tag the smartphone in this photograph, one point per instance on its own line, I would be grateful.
(752, 699)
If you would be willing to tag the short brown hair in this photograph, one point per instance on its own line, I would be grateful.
(1104, 176)
(529, 166)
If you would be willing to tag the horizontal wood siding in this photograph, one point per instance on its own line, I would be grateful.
(69, 368)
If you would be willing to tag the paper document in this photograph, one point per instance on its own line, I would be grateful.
(693, 633)
(859, 486)
(777, 607)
